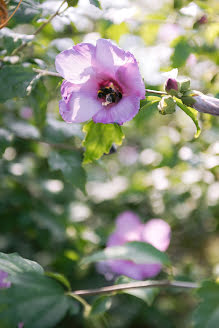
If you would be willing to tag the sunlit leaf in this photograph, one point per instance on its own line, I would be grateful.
(136, 251)
(99, 139)
(191, 113)
(182, 50)
(14, 263)
(96, 3)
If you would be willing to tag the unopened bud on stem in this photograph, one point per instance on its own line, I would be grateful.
(171, 87)
(206, 104)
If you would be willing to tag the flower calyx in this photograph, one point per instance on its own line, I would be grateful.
(167, 105)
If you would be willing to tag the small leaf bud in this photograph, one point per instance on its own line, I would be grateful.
(167, 105)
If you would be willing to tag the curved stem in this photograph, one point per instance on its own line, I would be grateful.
(87, 307)
(8, 19)
(137, 284)
(23, 45)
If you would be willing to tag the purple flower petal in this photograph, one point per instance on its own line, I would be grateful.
(110, 57)
(206, 104)
(73, 111)
(133, 270)
(157, 233)
(129, 228)
(128, 76)
(102, 83)
(80, 101)
(75, 64)
(119, 113)
(3, 280)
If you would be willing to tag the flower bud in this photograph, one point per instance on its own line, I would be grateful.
(167, 105)
(203, 20)
(206, 104)
(171, 87)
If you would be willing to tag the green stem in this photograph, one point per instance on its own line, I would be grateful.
(23, 45)
(87, 307)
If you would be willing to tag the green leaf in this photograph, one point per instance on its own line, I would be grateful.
(16, 80)
(69, 162)
(96, 3)
(34, 299)
(136, 251)
(60, 278)
(72, 3)
(24, 130)
(182, 50)
(14, 264)
(57, 132)
(191, 113)
(38, 101)
(167, 105)
(9, 40)
(28, 12)
(101, 305)
(145, 294)
(184, 85)
(146, 110)
(207, 313)
(5, 140)
(99, 139)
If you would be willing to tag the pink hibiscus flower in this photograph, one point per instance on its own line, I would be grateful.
(102, 83)
(129, 228)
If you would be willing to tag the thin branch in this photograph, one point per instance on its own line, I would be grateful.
(49, 19)
(156, 92)
(8, 19)
(43, 72)
(23, 45)
(137, 284)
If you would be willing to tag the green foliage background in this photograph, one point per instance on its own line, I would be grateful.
(55, 210)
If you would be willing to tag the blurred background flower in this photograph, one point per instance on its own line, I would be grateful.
(129, 228)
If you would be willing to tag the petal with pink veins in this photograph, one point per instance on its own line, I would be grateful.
(119, 113)
(74, 64)
(109, 57)
(128, 76)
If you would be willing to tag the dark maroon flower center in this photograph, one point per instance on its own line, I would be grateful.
(109, 94)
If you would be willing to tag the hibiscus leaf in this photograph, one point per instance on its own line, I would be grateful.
(69, 162)
(72, 3)
(39, 99)
(182, 50)
(99, 139)
(34, 299)
(145, 294)
(14, 264)
(101, 305)
(191, 113)
(16, 80)
(136, 251)
(96, 3)
(206, 315)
